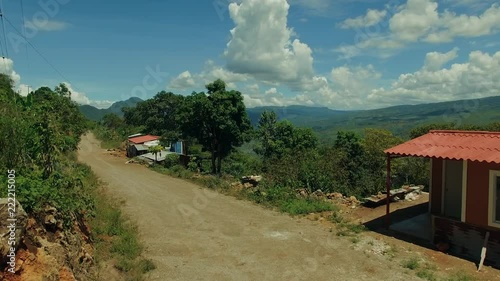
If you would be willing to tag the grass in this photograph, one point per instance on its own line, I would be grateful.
(116, 240)
(350, 229)
(412, 263)
(305, 206)
(427, 274)
(425, 271)
(460, 276)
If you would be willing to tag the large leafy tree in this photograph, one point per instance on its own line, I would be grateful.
(57, 125)
(158, 116)
(279, 137)
(217, 119)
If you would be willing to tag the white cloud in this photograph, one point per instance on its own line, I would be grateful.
(210, 73)
(81, 98)
(261, 43)
(414, 20)
(24, 89)
(473, 79)
(452, 25)
(371, 18)
(183, 81)
(435, 60)
(419, 21)
(47, 25)
(7, 67)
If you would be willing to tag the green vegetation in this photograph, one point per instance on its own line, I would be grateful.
(40, 136)
(412, 263)
(216, 127)
(115, 238)
(460, 276)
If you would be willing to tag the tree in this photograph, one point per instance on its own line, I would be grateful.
(57, 125)
(159, 115)
(218, 120)
(350, 154)
(277, 138)
(374, 144)
(112, 121)
(155, 150)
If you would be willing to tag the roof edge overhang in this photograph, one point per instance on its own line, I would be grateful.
(399, 155)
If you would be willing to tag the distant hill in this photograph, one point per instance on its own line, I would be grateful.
(297, 114)
(397, 119)
(327, 122)
(96, 114)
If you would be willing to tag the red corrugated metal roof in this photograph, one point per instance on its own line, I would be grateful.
(143, 139)
(455, 145)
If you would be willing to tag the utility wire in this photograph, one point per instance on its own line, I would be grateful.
(3, 27)
(37, 51)
(24, 31)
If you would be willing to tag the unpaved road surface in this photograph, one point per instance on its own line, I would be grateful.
(192, 233)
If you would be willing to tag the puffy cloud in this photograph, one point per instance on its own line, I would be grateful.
(452, 25)
(473, 79)
(7, 67)
(47, 25)
(435, 60)
(183, 81)
(371, 18)
(418, 20)
(24, 90)
(414, 20)
(261, 43)
(81, 98)
(210, 73)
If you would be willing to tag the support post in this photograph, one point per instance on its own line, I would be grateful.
(388, 192)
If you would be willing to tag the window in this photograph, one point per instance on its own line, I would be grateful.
(494, 215)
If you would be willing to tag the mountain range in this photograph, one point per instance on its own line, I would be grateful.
(96, 114)
(326, 122)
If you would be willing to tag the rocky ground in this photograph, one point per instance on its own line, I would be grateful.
(47, 252)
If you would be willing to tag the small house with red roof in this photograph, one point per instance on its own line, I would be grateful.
(138, 145)
(464, 189)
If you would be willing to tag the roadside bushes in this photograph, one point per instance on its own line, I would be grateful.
(69, 190)
(239, 164)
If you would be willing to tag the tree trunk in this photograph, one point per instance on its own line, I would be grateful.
(214, 171)
(219, 159)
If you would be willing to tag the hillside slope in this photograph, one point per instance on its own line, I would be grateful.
(96, 114)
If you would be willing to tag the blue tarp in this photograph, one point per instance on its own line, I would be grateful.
(177, 147)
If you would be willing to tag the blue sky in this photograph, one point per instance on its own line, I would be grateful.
(343, 54)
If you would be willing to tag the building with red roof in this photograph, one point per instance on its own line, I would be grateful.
(464, 189)
(138, 145)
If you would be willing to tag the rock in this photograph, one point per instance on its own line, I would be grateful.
(254, 180)
(6, 221)
(50, 220)
(318, 193)
(303, 193)
(50, 210)
(353, 200)
(337, 195)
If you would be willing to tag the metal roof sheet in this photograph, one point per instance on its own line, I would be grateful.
(140, 147)
(455, 145)
(143, 139)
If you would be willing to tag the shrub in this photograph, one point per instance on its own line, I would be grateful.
(305, 206)
(411, 263)
(171, 160)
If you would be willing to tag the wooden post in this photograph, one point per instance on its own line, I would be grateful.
(483, 251)
(388, 192)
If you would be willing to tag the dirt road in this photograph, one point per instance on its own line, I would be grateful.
(192, 233)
